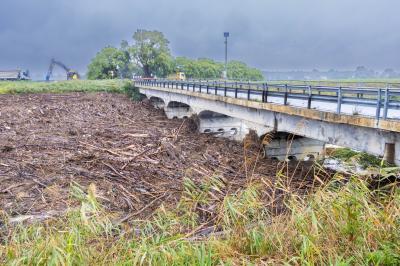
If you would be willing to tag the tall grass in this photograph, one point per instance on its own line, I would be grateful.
(343, 222)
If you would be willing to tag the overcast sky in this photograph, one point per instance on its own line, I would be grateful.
(269, 34)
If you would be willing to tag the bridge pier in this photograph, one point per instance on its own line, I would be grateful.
(285, 146)
(178, 110)
(221, 125)
(157, 102)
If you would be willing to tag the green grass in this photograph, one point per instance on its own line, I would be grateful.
(118, 86)
(379, 83)
(364, 159)
(341, 223)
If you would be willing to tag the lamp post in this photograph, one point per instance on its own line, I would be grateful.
(226, 35)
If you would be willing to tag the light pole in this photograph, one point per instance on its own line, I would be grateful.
(226, 35)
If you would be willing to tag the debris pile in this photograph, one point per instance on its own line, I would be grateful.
(134, 155)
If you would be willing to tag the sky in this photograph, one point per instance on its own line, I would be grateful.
(268, 34)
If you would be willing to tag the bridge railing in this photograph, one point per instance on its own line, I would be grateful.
(378, 101)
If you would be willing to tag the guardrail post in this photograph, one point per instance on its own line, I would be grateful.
(263, 93)
(236, 91)
(286, 95)
(248, 93)
(309, 97)
(215, 87)
(339, 103)
(200, 87)
(194, 86)
(378, 104)
(386, 104)
(225, 89)
(208, 88)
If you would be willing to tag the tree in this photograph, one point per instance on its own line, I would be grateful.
(150, 52)
(110, 62)
(202, 68)
(239, 70)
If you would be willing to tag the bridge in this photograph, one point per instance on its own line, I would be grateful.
(365, 119)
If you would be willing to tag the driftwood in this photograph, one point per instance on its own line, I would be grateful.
(131, 152)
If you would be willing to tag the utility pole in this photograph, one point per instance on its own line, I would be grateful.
(225, 75)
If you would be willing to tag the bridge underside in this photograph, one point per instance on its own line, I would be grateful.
(235, 120)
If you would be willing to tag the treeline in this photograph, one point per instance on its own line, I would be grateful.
(205, 68)
(150, 56)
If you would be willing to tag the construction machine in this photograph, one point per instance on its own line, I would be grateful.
(180, 76)
(16, 74)
(71, 74)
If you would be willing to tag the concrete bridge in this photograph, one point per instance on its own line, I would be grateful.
(364, 119)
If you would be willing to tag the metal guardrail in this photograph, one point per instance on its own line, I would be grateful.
(382, 99)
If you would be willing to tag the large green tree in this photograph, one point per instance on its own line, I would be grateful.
(150, 51)
(109, 63)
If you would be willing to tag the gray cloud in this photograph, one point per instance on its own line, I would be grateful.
(270, 34)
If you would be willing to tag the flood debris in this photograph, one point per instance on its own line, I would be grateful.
(131, 152)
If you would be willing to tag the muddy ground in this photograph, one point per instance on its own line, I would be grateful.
(135, 156)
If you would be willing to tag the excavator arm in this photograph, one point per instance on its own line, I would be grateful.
(71, 74)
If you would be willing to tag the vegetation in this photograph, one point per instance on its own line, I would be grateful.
(341, 223)
(240, 71)
(379, 83)
(151, 52)
(110, 63)
(363, 159)
(13, 87)
(204, 68)
(150, 56)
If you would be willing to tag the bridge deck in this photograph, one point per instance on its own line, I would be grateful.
(373, 108)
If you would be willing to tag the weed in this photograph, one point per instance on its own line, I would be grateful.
(337, 224)
(363, 159)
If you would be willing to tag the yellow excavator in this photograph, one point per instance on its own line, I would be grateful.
(71, 74)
